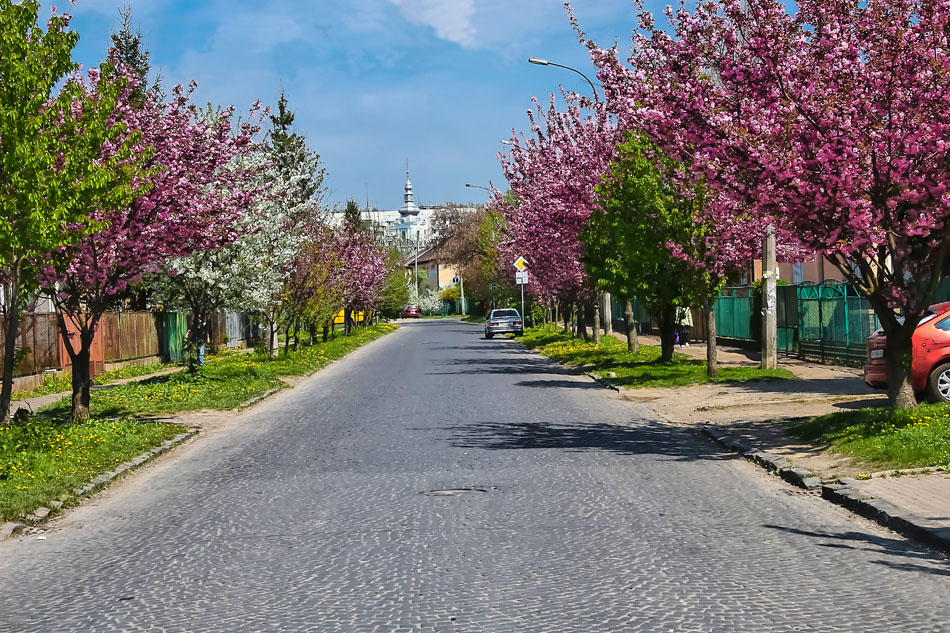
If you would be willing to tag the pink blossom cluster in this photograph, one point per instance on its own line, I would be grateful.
(358, 267)
(193, 196)
(552, 174)
(832, 122)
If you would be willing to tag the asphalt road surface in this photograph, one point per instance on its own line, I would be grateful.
(437, 481)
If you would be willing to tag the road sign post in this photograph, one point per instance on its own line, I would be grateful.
(521, 278)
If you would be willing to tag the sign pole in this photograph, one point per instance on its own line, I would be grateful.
(523, 317)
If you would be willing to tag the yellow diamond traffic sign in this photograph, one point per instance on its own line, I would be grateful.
(521, 264)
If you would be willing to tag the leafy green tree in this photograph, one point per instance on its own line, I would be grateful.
(54, 168)
(395, 294)
(626, 237)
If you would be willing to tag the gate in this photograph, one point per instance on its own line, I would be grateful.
(834, 323)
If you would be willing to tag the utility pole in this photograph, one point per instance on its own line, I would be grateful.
(416, 279)
(462, 291)
(769, 302)
(606, 314)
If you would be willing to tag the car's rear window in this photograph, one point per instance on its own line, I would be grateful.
(505, 313)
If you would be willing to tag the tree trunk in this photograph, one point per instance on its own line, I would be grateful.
(582, 320)
(566, 313)
(596, 318)
(898, 355)
(11, 330)
(326, 331)
(197, 337)
(81, 375)
(271, 337)
(712, 347)
(666, 320)
(82, 379)
(633, 344)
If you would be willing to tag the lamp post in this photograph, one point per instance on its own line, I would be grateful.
(543, 62)
(604, 297)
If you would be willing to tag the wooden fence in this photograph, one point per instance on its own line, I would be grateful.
(122, 337)
(130, 335)
(39, 333)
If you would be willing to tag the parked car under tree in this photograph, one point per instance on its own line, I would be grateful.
(930, 362)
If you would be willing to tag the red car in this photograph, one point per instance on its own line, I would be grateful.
(930, 363)
(412, 312)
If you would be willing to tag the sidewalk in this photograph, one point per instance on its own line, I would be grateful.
(755, 419)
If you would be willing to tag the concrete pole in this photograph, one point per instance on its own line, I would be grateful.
(607, 314)
(416, 280)
(769, 302)
(462, 291)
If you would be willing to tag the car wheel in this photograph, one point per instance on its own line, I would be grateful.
(938, 384)
(488, 335)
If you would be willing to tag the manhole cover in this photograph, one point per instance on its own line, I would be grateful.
(451, 492)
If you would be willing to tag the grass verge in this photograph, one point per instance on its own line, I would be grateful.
(224, 382)
(61, 381)
(885, 438)
(640, 370)
(42, 461)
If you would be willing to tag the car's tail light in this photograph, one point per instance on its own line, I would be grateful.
(492, 324)
(517, 322)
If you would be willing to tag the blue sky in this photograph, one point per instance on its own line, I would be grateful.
(374, 82)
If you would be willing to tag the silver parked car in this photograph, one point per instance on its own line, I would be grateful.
(502, 322)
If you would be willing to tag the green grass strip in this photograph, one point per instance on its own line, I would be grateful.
(224, 382)
(642, 369)
(42, 461)
(62, 381)
(885, 438)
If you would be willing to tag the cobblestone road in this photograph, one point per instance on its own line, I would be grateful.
(307, 514)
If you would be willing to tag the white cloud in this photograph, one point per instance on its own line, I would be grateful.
(451, 19)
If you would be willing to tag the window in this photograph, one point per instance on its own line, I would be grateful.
(798, 272)
(943, 324)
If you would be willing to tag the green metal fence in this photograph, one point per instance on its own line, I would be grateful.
(734, 309)
(173, 328)
(834, 323)
(641, 316)
(828, 322)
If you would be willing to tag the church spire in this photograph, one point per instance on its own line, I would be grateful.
(408, 206)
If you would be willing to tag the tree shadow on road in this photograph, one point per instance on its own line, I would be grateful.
(939, 564)
(645, 438)
(518, 365)
(559, 384)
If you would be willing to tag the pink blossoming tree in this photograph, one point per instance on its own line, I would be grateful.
(834, 122)
(192, 204)
(552, 174)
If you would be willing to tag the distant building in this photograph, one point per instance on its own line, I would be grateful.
(409, 227)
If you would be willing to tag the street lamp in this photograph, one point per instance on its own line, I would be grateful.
(543, 62)
(604, 296)
(468, 184)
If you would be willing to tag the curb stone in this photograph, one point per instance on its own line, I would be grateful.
(885, 514)
(603, 381)
(846, 493)
(41, 515)
(256, 399)
(771, 462)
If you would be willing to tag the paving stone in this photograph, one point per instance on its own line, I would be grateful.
(305, 514)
